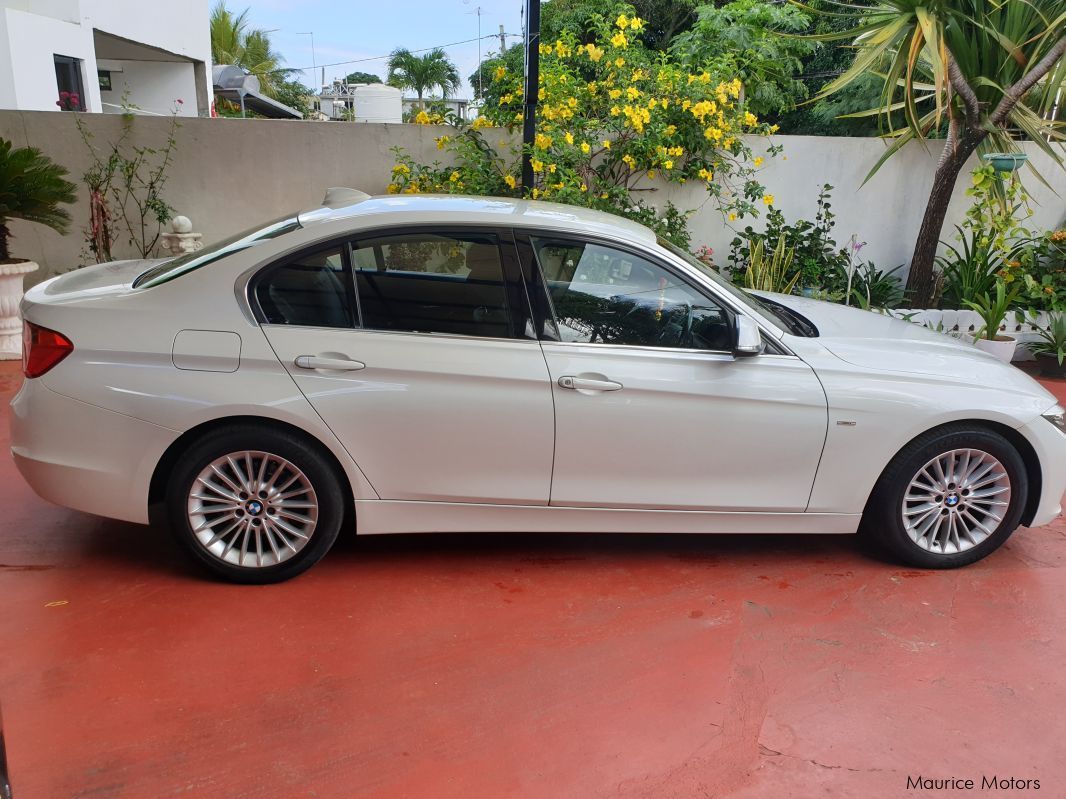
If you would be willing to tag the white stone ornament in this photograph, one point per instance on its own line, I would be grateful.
(10, 296)
(180, 239)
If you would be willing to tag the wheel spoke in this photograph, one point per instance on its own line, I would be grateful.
(224, 533)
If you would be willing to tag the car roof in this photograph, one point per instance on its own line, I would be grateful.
(451, 208)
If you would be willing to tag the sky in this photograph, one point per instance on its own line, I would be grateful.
(353, 30)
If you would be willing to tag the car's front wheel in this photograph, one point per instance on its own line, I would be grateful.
(949, 498)
(255, 505)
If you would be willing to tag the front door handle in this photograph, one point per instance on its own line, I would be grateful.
(588, 384)
(334, 364)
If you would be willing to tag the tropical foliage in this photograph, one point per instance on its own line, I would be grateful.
(770, 272)
(664, 19)
(233, 41)
(33, 188)
(423, 73)
(613, 117)
(1052, 341)
(993, 309)
(745, 38)
(821, 262)
(994, 244)
(972, 69)
(295, 95)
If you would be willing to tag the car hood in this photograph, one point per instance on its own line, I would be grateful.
(876, 342)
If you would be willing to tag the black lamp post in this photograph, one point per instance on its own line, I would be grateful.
(532, 90)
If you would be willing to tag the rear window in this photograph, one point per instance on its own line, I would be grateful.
(183, 264)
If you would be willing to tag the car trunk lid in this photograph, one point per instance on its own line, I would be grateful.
(115, 277)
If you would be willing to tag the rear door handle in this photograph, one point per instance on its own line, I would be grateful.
(334, 364)
(588, 384)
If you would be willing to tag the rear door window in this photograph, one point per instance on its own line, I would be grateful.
(310, 290)
(433, 283)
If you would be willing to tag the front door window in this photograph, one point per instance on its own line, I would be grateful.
(603, 295)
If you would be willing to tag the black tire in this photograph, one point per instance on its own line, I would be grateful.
(883, 518)
(307, 457)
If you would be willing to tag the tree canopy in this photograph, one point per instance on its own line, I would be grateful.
(361, 77)
(423, 73)
(984, 68)
(233, 41)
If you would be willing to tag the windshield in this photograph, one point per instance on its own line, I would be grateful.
(753, 302)
(170, 269)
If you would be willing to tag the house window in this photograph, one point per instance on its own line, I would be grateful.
(70, 89)
(105, 80)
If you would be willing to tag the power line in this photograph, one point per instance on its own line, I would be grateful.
(380, 57)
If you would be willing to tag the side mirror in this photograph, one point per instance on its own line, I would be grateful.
(748, 339)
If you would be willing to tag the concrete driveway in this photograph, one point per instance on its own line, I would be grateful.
(521, 666)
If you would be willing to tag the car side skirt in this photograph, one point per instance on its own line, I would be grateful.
(380, 517)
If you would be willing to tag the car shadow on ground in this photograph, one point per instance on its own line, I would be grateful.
(152, 549)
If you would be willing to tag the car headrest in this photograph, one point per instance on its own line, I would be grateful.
(483, 261)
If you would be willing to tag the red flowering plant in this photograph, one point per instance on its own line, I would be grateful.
(69, 101)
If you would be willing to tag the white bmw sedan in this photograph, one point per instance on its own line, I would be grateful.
(423, 364)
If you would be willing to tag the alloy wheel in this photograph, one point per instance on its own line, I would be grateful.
(956, 501)
(252, 509)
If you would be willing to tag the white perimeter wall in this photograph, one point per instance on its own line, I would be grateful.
(886, 212)
(230, 174)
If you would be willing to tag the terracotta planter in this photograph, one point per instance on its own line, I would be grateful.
(10, 296)
(1050, 367)
(1001, 346)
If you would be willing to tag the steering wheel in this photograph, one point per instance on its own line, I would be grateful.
(684, 337)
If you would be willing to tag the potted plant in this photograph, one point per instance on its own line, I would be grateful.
(32, 188)
(1050, 350)
(993, 310)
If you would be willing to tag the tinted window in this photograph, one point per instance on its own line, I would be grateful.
(608, 296)
(311, 290)
(429, 283)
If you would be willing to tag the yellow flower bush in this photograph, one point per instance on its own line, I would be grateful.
(612, 117)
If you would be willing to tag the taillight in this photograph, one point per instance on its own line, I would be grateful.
(42, 349)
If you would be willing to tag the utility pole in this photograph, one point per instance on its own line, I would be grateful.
(503, 42)
(314, 61)
(532, 90)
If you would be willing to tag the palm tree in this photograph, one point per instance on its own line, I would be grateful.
(32, 187)
(984, 66)
(422, 73)
(233, 42)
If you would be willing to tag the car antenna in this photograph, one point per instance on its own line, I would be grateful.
(341, 196)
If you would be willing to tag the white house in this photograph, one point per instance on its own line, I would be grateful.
(149, 52)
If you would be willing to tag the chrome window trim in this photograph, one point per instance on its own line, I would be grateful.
(459, 336)
(725, 354)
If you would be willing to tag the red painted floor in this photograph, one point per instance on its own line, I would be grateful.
(521, 666)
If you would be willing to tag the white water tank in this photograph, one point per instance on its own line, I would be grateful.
(376, 102)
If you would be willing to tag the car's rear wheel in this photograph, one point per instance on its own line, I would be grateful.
(949, 498)
(255, 505)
